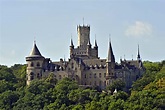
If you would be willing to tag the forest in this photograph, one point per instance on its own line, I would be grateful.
(147, 93)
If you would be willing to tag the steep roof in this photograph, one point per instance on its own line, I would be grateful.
(35, 51)
(95, 43)
(71, 43)
(111, 57)
(138, 56)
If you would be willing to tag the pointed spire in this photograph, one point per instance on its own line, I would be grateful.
(138, 56)
(35, 51)
(95, 41)
(71, 44)
(89, 43)
(111, 57)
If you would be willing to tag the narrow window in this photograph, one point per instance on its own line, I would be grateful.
(100, 75)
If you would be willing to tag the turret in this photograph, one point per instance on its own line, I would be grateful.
(96, 47)
(89, 47)
(34, 64)
(110, 65)
(71, 48)
(138, 55)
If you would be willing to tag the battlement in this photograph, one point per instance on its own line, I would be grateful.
(83, 27)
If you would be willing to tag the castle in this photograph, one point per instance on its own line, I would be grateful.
(84, 65)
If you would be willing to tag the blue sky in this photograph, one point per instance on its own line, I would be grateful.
(52, 22)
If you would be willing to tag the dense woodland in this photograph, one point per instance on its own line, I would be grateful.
(147, 93)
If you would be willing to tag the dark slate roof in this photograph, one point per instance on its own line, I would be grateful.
(71, 43)
(95, 43)
(111, 57)
(35, 51)
(138, 56)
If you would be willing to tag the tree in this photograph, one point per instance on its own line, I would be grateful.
(7, 99)
(117, 84)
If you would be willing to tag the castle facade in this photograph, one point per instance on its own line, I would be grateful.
(84, 65)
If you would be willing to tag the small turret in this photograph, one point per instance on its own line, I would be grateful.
(110, 57)
(71, 44)
(110, 66)
(71, 48)
(95, 44)
(138, 55)
(89, 44)
(89, 48)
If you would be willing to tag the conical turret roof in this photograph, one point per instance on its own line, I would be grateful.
(111, 57)
(138, 56)
(35, 51)
(71, 43)
(95, 43)
(89, 43)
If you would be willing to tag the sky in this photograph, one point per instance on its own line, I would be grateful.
(52, 23)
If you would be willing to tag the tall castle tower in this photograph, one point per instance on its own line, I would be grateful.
(34, 64)
(84, 49)
(83, 35)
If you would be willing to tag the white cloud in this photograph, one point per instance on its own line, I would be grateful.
(139, 29)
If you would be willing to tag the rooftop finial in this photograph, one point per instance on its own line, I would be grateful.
(34, 40)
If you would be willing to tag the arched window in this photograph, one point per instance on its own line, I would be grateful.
(31, 76)
(31, 64)
(38, 64)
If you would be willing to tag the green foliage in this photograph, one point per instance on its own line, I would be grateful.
(147, 93)
(117, 84)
